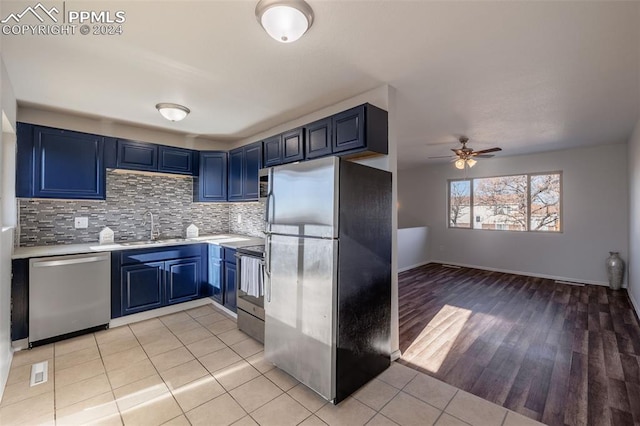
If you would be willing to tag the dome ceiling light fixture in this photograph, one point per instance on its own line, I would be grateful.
(284, 20)
(172, 112)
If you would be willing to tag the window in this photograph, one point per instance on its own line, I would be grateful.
(460, 204)
(528, 202)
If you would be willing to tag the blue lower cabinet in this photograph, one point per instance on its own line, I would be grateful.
(183, 280)
(222, 276)
(142, 287)
(144, 279)
(216, 274)
(230, 285)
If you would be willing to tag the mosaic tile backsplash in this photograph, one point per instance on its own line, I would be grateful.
(129, 197)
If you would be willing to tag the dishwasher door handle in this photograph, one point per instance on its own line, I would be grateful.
(48, 263)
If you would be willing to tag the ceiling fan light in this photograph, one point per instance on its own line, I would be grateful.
(459, 163)
(172, 112)
(471, 162)
(284, 20)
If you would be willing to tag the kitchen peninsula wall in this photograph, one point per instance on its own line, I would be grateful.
(129, 196)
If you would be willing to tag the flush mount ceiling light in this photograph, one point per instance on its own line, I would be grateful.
(172, 112)
(284, 20)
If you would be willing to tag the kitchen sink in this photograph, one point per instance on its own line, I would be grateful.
(149, 242)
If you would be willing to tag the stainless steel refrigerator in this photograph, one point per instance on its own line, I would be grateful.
(328, 266)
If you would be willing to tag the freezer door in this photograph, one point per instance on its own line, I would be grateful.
(302, 199)
(299, 300)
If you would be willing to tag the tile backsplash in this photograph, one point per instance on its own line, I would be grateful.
(129, 196)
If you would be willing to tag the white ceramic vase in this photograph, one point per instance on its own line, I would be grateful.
(615, 270)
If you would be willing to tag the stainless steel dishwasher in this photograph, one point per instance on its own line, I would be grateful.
(68, 294)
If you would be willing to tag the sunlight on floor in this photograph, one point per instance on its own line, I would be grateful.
(439, 336)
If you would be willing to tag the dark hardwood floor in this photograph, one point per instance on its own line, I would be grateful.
(560, 354)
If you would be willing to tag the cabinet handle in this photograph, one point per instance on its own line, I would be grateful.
(65, 262)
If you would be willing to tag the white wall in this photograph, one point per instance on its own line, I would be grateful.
(104, 127)
(413, 247)
(7, 217)
(595, 215)
(634, 218)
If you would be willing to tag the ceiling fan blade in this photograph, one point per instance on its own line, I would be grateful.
(484, 156)
(442, 156)
(485, 151)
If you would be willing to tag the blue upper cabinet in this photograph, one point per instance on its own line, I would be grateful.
(236, 161)
(359, 129)
(252, 165)
(175, 160)
(284, 148)
(149, 157)
(293, 146)
(272, 150)
(244, 164)
(134, 155)
(318, 135)
(54, 163)
(210, 184)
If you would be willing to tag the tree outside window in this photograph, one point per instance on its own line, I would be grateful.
(528, 202)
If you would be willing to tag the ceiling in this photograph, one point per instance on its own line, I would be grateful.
(526, 76)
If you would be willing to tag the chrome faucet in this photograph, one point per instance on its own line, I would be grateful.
(153, 235)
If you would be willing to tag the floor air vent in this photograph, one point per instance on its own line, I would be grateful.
(451, 266)
(39, 373)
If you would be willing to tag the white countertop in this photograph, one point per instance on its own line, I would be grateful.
(226, 240)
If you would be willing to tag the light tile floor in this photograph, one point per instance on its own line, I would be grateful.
(195, 367)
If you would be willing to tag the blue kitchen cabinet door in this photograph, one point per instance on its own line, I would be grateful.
(348, 130)
(134, 155)
(216, 277)
(318, 139)
(142, 287)
(252, 165)
(54, 163)
(236, 169)
(183, 279)
(293, 146)
(175, 160)
(272, 151)
(230, 295)
(211, 182)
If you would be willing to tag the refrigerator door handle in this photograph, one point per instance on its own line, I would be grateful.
(268, 201)
(267, 266)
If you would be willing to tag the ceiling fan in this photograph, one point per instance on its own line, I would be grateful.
(466, 156)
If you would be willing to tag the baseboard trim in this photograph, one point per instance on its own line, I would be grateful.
(5, 375)
(395, 355)
(634, 303)
(526, 274)
(414, 266)
(223, 309)
(21, 344)
(142, 316)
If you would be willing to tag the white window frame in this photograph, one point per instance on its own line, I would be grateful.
(528, 175)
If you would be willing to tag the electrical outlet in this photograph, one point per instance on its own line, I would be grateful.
(81, 222)
(239, 218)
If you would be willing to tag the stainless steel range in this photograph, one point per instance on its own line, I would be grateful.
(250, 293)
